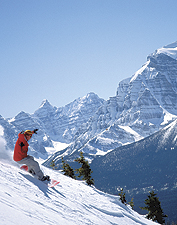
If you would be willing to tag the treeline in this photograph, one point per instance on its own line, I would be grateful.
(152, 203)
(84, 172)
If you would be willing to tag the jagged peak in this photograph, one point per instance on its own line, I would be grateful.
(169, 50)
(90, 95)
(45, 103)
(22, 114)
(172, 45)
(44, 108)
(1, 117)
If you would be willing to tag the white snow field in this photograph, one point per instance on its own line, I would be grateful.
(26, 200)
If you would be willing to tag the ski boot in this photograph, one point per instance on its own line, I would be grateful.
(45, 178)
(32, 172)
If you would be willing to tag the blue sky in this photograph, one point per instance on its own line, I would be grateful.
(63, 49)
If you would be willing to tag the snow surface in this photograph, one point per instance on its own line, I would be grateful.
(57, 146)
(170, 50)
(139, 72)
(26, 200)
(131, 131)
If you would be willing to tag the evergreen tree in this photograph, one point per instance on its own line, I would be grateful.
(131, 203)
(68, 171)
(52, 164)
(122, 196)
(85, 170)
(153, 206)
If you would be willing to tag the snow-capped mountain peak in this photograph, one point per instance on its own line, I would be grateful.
(170, 50)
(54, 124)
(145, 102)
(45, 103)
(45, 109)
(172, 45)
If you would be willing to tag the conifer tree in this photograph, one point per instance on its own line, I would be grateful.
(131, 203)
(68, 171)
(85, 170)
(52, 164)
(153, 206)
(122, 196)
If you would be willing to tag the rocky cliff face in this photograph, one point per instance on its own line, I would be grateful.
(62, 123)
(144, 103)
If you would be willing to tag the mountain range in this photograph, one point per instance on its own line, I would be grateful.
(145, 104)
(54, 124)
(144, 113)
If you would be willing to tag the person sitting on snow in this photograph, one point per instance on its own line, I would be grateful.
(20, 154)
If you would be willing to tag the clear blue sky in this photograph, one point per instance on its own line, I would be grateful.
(63, 49)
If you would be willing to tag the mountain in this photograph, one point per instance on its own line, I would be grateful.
(144, 104)
(54, 124)
(149, 164)
(24, 121)
(62, 123)
(26, 200)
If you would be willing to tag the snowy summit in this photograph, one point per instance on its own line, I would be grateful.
(170, 50)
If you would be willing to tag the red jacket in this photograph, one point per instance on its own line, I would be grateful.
(21, 148)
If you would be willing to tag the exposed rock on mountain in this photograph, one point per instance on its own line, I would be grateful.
(62, 123)
(144, 104)
(54, 124)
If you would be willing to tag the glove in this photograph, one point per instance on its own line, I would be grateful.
(35, 131)
(21, 144)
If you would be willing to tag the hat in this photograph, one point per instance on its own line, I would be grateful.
(28, 132)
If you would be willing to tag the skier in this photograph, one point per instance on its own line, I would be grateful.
(21, 157)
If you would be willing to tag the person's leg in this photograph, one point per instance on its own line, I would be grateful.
(32, 165)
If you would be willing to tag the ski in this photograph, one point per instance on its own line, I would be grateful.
(53, 183)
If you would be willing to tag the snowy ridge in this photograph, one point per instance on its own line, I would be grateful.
(26, 200)
(144, 104)
(62, 123)
(170, 50)
(56, 125)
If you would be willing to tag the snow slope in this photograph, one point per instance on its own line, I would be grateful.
(26, 200)
(149, 164)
